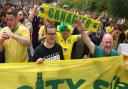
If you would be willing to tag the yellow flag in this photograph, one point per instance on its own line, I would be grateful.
(94, 73)
(63, 16)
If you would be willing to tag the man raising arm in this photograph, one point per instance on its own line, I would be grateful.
(97, 51)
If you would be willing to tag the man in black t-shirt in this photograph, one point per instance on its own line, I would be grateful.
(48, 50)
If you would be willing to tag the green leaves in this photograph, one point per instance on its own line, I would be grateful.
(116, 8)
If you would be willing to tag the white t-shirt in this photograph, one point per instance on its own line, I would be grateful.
(123, 48)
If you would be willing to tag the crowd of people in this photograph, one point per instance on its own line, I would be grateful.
(26, 37)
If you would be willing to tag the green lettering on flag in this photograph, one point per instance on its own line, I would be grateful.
(54, 83)
(101, 84)
(68, 19)
(40, 81)
(56, 17)
(74, 86)
(25, 87)
(88, 23)
(83, 20)
(80, 18)
(63, 16)
(74, 18)
(51, 12)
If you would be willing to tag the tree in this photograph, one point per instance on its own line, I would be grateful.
(118, 8)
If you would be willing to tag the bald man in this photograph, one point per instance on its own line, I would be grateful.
(98, 51)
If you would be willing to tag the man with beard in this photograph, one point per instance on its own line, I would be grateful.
(22, 17)
(98, 51)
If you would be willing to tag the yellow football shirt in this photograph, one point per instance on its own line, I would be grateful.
(66, 44)
(13, 50)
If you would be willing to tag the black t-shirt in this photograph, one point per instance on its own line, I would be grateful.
(96, 39)
(54, 53)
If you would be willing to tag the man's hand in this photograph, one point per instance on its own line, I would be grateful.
(35, 11)
(4, 37)
(9, 34)
(40, 61)
(80, 25)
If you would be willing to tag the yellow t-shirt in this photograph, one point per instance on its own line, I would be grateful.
(13, 50)
(108, 29)
(66, 44)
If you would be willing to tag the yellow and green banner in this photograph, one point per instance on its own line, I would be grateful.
(63, 16)
(99, 73)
